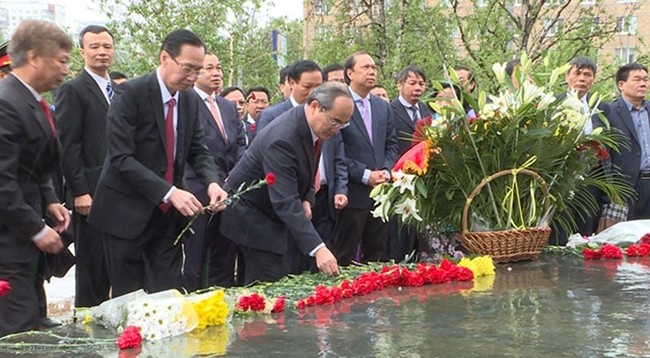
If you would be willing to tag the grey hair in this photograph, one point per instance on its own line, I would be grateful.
(327, 93)
(43, 37)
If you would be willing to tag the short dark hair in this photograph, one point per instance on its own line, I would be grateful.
(115, 75)
(470, 78)
(303, 66)
(404, 73)
(226, 91)
(581, 62)
(331, 68)
(350, 62)
(258, 89)
(511, 65)
(326, 93)
(624, 71)
(93, 29)
(284, 73)
(177, 38)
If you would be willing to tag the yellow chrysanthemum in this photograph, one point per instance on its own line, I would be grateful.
(480, 266)
(211, 311)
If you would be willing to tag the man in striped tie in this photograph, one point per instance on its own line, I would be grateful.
(81, 107)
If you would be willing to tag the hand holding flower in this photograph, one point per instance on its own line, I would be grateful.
(217, 196)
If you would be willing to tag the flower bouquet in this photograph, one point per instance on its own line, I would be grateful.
(523, 158)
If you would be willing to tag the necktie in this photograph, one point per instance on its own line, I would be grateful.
(216, 116)
(416, 113)
(109, 91)
(317, 146)
(365, 114)
(48, 115)
(169, 149)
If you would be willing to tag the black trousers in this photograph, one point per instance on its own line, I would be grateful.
(262, 266)
(402, 240)
(92, 283)
(19, 310)
(640, 209)
(150, 261)
(358, 226)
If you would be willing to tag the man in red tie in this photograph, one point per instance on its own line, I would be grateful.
(152, 132)
(29, 152)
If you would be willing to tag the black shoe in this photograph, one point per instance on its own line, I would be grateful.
(45, 323)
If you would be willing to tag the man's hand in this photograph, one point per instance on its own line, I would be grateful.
(82, 204)
(185, 202)
(326, 262)
(216, 195)
(306, 205)
(59, 215)
(340, 201)
(51, 242)
(378, 177)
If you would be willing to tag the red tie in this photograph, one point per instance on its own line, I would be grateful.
(169, 138)
(317, 145)
(48, 115)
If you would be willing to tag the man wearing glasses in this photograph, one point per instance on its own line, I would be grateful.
(152, 132)
(265, 220)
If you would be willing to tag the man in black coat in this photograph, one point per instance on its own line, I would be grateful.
(153, 131)
(263, 220)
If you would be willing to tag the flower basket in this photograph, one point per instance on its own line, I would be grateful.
(506, 245)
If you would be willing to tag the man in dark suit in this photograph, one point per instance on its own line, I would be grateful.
(29, 153)
(407, 110)
(81, 107)
(153, 130)
(629, 115)
(371, 150)
(224, 136)
(263, 220)
(304, 76)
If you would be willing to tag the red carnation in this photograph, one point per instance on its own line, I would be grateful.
(644, 249)
(464, 274)
(612, 252)
(270, 179)
(5, 288)
(130, 338)
(279, 305)
(632, 251)
(592, 254)
(244, 303)
(252, 127)
(301, 304)
(256, 302)
(645, 239)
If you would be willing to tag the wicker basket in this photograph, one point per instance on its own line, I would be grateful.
(506, 245)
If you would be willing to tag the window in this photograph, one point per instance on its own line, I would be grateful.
(322, 31)
(553, 26)
(319, 8)
(625, 54)
(626, 25)
(516, 2)
(481, 3)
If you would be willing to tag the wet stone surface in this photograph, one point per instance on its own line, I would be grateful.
(555, 307)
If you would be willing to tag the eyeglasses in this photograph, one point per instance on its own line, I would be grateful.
(335, 123)
(188, 69)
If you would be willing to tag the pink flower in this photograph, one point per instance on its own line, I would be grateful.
(270, 179)
(5, 288)
(130, 338)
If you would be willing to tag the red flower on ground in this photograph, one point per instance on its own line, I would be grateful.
(256, 302)
(270, 179)
(591, 254)
(130, 338)
(301, 304)
(612, 252)
(5, 288)
(632, 251)
(279, 305)
(645, 239)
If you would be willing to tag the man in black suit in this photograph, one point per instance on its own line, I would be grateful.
(224, 136)
(407, 110)
(304, 76)
(81, 107)
(153, 130)
(629, 115)
(29, 152)
(263, 220)
(371, 151)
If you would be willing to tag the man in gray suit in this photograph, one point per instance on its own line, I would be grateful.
(629, 115)
(371, 150)
(81, 107)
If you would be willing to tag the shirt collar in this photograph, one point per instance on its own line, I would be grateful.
(293, 102)
(164, 92)
(201, 93)
(356, 96)
(30, 88)
(631, 107)
(101, 81)
(406, 104)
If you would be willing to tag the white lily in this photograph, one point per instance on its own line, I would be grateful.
(407, 209)
(500, 72)
(404, 181)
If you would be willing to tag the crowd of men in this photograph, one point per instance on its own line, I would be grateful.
(140, 158)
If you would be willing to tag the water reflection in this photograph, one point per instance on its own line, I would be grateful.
(557, 306)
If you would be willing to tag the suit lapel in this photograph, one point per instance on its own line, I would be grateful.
(94, 89)
(357, 120)
(626, 118)
(404, 116)
(307, 142)
(155, 99)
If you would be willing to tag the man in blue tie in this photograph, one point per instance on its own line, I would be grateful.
(81, 107)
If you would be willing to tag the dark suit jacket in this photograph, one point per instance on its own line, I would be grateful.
(225, 153)
(363, 154)
(81, 109)
(29, 152)
(264, 218)
(336, 169)
(132, 182)
(404, 126)
(272, 113)
(628, 159)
